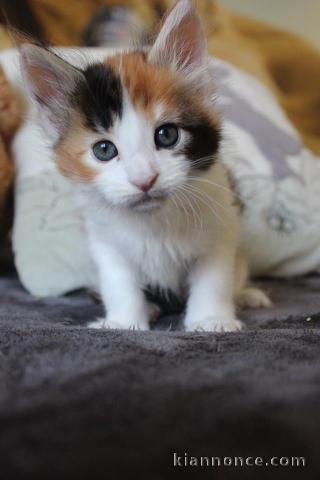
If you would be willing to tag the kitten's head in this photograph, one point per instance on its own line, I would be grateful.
(137, 126)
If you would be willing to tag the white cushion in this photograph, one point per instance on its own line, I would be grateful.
(51, 252)
(276, 176)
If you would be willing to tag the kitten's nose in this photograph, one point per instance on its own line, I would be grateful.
(148, 184)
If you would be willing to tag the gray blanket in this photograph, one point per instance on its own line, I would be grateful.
(79, 403)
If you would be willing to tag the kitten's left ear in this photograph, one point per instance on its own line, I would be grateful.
(51, 82)
(181, 42)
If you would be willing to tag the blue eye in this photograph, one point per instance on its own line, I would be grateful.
(166, 136)
(105, 151)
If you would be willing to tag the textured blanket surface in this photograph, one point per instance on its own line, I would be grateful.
(79, 403)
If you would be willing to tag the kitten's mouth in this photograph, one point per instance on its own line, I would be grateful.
(148, 202)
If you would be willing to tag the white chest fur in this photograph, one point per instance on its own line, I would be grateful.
(159, 247)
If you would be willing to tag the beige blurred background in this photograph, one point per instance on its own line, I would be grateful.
(300, 16)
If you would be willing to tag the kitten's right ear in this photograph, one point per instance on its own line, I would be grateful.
(51, 82)
(181, 42)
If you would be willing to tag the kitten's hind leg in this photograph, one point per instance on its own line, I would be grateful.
(247, 295)
(154, 311)
(253, 297)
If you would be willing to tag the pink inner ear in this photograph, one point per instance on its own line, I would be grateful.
(181, 40)
(189, 41)
(45, 82)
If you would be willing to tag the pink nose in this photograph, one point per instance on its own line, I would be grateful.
(148, 184)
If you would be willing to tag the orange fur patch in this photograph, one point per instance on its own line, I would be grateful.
(71, 151)
(147, 85)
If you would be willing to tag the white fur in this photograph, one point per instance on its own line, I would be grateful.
(171, 250)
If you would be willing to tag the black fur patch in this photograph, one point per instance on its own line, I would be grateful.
(99, 97)
(204, 143)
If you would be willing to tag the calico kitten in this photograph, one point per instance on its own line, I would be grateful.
(139, 136)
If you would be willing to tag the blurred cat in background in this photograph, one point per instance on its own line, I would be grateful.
(66, 23)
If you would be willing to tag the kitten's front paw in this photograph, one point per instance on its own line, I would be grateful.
(107, 323)
(215, 324)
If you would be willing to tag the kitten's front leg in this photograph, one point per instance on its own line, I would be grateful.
(121, 294)
(210, 306)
